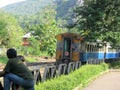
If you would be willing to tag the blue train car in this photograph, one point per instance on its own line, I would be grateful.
(112, 53)
(91, 51)
(72, 47)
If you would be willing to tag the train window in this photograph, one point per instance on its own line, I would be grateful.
(82, 47)
(67, 46)
(111, 50)
(91, 49)
(87, 48)
(102, 49)
(96, 48)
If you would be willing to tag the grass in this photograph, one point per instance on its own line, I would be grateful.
(81, 77)
(3, 59)
(30, 59)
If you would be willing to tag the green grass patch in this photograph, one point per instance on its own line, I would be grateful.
(30, 59)
(3, 59)
(80, 77)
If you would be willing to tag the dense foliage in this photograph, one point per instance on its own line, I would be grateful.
(115, 64)
(45, 31)
(10, 31)
(98, 19)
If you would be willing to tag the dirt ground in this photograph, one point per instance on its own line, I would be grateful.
(108, 81)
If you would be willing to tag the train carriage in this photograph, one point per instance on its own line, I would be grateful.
(72, 47)
(68, 47)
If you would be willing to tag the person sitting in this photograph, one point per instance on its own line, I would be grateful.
(21, 58)
(17, 72)
(16, 86)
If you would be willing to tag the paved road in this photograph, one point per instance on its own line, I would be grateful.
(108, 81)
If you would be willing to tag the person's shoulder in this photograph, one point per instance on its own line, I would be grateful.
(13, 60)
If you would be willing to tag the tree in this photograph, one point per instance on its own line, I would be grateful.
(33, 47)
(46, 30)
(10, 31)
(98, 19)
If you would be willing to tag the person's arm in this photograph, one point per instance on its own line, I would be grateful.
(5, 70)
(2, 73)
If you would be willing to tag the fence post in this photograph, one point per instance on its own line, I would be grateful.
(49, 72)
(62, 69)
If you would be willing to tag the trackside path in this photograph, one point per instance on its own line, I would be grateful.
(107, 81)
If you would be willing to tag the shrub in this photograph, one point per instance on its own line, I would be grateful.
(115, 65)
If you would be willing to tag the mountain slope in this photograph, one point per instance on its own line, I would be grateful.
(28, 11)
(28, 7)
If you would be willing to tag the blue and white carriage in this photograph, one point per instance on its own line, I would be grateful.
(72, 47)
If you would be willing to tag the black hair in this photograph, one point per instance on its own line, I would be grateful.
(11, 53)
(21, 58)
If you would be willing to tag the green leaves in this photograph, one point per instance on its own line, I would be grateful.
(100, 18)
(46, 30)
(10, 31)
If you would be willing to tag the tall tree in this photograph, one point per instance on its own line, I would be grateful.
(10, 31)
(98, 19)
(46, 30)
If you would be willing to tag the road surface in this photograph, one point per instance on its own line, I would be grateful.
(107, 81)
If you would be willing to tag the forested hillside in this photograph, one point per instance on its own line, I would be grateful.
(31, 7)
(30, 11)
(28, 7)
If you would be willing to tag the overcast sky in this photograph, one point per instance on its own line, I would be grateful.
(8, 2)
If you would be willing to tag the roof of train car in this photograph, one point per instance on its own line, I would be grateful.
(70, 34)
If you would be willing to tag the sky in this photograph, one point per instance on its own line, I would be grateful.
(8, 2)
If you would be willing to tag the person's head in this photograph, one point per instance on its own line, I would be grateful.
(11, 53)
(21, 58)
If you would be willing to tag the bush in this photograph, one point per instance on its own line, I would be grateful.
(115, 65)
(32, 49)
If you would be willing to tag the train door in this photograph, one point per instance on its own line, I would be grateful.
(67, 50)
